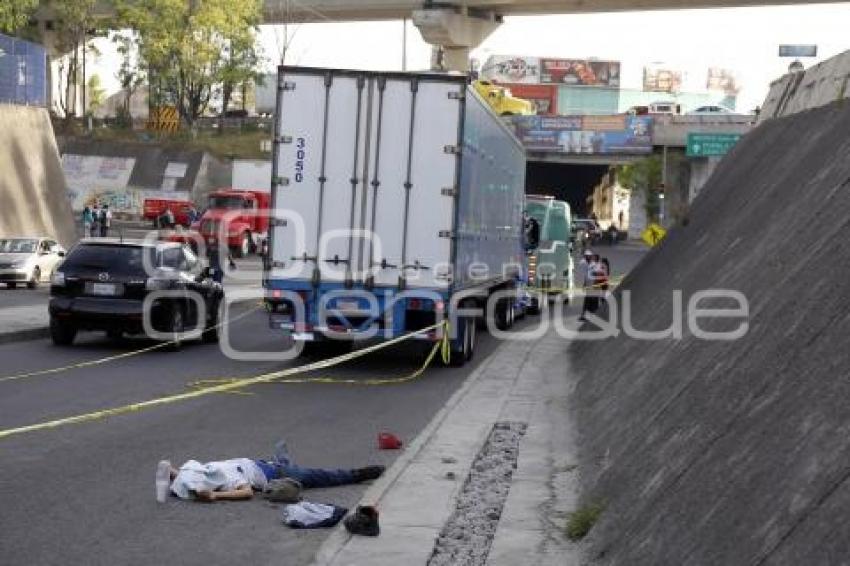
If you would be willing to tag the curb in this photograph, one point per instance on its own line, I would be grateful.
(334, 543)
(25, 335)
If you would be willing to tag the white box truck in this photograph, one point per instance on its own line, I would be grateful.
(397, 203)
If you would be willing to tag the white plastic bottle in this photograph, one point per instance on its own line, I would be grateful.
(163, 480)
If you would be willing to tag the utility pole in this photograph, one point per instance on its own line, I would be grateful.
(404, 44)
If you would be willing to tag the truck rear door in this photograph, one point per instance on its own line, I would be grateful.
(366, 174)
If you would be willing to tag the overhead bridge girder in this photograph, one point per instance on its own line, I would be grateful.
(454, 32)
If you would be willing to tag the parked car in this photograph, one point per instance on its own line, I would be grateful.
(710, 110)
(103, 283)
(28, 261)
(587, 231)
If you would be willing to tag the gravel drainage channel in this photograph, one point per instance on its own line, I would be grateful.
(466, 537)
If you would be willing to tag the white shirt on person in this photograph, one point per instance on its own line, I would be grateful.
(225, 475)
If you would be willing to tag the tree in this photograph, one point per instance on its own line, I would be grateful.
(643, 176)
(97, 95)
(191, 48)
(14, 14)
(240, 68)
(73, 21)
(130, 75)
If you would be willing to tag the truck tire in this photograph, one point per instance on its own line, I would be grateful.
(62, 332)
(472, 341)
(459, 351)
(505, 314)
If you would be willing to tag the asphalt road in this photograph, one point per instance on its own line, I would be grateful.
(84, 493)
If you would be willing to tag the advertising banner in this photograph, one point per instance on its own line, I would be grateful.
(660, 79)
(722, 80)
(580, 72)
(585, 134)
(544, 97)
(511, 69)
(23, 72)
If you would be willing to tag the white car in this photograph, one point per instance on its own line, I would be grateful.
(28, 260)
(712, 110)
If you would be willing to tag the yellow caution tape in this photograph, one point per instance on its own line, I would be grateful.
(204, 383)
(108, 359)
(612, 282)
(228, 386)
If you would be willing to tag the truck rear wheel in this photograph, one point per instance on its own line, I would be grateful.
(461, 348)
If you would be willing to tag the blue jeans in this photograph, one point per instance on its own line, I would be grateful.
(308, 477)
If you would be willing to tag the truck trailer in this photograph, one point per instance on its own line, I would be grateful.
(396, 204)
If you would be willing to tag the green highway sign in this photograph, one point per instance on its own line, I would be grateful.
(705, 145)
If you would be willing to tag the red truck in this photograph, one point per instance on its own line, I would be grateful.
(154, 208)
(246, 230)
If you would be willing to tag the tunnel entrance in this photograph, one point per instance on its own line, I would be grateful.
(570, 182)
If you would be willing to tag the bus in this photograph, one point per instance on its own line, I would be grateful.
(550, 266)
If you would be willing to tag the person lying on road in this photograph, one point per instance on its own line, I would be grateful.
(238, 478)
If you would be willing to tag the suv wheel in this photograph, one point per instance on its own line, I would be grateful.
(36, 278)
(175, 328)
(62, 332)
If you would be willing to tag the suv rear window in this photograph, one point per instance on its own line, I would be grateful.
(127, 260)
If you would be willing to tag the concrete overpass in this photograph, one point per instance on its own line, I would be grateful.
(456, 27)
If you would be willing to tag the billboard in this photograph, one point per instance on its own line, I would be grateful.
(580, 72)
(722, 80)
(511, 69)
(23, 72)
(585, 134)
(798, 50)
(544, 97)
(661, 79)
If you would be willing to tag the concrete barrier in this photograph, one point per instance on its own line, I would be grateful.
(822, 84)
(32, 186)
(733, 452)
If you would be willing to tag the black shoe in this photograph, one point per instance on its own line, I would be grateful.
(367, 473)
(364, 521)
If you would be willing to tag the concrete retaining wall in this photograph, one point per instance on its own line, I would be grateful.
(32, 185)
(734, 452)
(826, 82)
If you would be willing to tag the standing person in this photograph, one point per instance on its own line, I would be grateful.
(214, 257)
(604, 274)
(105, 220)
(87, 220)
(594, 281)
(95, 221)
(584, 267)
(613, 234)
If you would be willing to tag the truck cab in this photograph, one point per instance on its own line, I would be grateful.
(503, 102)
(245, 213)
(550, 268)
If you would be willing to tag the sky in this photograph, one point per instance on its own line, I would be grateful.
(745, 40)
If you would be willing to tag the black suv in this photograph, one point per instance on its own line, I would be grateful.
(102, 285)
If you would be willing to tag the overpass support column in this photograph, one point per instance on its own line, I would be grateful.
(454, 33)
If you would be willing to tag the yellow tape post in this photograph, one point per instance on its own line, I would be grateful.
(224, 387)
